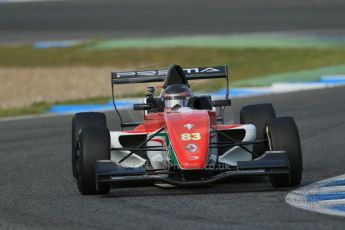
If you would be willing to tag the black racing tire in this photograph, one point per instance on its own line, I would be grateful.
(258, 115)
(79, 121)
(94, 144)
(282, 135)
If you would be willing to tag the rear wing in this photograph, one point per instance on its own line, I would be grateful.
(130, 77)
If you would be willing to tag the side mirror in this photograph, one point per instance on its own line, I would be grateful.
(142, 106)
(221, 103)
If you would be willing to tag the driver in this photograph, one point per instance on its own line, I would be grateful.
(176, 96)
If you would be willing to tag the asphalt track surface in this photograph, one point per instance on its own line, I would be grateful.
(80, 19)
(37, 190)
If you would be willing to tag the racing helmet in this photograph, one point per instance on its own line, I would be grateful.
(177, 95)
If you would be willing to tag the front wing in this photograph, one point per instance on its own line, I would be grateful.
(270, 163)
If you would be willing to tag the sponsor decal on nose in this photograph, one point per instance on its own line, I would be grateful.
(191, 148)
(189, 126)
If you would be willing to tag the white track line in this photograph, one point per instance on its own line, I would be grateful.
(331, 189)
(331, 202)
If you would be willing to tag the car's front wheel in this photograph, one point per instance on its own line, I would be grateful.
(79, 121)
(282, 135)
(94, 144)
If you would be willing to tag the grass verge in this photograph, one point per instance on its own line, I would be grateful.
(244, 63)
(39, 108)
(34, 109)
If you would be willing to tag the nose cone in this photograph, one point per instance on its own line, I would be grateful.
(189, 136)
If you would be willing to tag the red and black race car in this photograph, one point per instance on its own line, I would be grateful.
(183, 140)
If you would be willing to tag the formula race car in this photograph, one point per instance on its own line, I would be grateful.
(183, 140)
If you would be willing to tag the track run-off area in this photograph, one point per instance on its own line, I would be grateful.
(38, 191)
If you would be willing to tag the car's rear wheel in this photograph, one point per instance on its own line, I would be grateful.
(258, 115)
(94, 143)
(282, 135)
(79, 121)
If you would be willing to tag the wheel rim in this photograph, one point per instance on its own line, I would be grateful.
(268, 137)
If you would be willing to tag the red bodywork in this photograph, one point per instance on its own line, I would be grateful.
(189, 134)
(190, 144)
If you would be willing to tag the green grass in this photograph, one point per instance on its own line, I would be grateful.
(95, 100)
(244, 63)
(37, 108)
(42, 107)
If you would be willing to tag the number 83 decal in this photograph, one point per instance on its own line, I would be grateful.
(190, 136)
